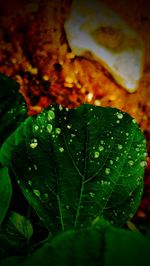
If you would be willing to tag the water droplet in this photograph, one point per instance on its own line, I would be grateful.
(134, 121)
(50, 115)
(120, 146)
(49, 128)
(102, 141)
(96, 154)
(34, 143)
(35, 166)
(119, 115)
(127, 134)
(137, 149)
(118, 121)
(37, 192)
(130, 162)
(143, 164)
(107, 171)
(61, 149)
(145, 154)
(60, 107)
(92, 194)
(58, 130)
(29, 182)
(36, 127)
(29, 168)
(68, 126)
(101, 148)
(111, 162)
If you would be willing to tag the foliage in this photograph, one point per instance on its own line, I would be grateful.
(13, 109)
(81, 170)
(100, 244)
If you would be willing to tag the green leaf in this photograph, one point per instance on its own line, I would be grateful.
(21, 224)
(12, 107)
(100, 244)
(74, 165)
(12, 261)
(15, 233)
(5, 192)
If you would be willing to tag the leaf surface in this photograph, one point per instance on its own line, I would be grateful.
(5, 192)
(74, 165)
(22, 225)
(12, 107)
(100, 244)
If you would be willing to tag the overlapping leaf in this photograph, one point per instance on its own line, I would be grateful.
(100, 244)
(5, 192)
(74, 165)
(12, 107)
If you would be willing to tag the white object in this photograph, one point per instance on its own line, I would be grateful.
(94, 27)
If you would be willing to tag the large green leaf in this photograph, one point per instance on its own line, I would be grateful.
(100, 244)
(73, 165)
(12, 107)
(5, 192)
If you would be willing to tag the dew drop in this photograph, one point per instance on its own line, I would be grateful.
(68, 126)
(118, 121)
(50, 115)
(101, 148)
(35, 166)
(60, 107)
(143, 164)
(111, 162)
(58, 130)
(36, 192)
(36, 127)
(120, 146)
(49, 128)
(130, 162)
(96, 154)
(145, 154)
(119, 115)
(92, 194)
(133, 121)
(137, 149)
(107, 171)
(34, 143)
(29, 182)
(61, 149)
